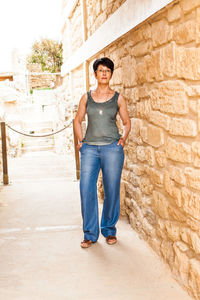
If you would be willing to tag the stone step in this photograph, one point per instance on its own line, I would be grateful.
(37, 125)
(38, 131)
(28, 141)
(37, 148)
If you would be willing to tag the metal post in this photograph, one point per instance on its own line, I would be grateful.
(76, 155)
(4, 153)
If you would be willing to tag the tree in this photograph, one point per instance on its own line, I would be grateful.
(48, 53)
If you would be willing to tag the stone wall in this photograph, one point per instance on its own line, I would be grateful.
(157, 70)
(41, 80)
(75, 31)
(99, 11)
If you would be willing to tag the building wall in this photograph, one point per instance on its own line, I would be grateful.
(99, 11)
(157, 70)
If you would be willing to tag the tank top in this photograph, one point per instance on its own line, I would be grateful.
(102, 128)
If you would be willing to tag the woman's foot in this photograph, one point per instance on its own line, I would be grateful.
(86, 243)
(111, 239)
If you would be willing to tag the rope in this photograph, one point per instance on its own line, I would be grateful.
(49, 134)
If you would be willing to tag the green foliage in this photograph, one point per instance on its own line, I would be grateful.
(31, 91)
(48, 53)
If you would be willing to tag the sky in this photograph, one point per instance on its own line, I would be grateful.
(24, 21)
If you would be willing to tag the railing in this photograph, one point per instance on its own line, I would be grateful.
(4, 148)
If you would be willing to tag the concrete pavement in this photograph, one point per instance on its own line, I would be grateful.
(40, 234)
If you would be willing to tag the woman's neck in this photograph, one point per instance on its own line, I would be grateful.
(103, 89)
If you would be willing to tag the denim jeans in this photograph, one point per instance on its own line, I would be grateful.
(110, 159)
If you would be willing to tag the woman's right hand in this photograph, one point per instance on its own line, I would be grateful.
(79, 145)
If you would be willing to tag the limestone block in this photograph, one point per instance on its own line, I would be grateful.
(176, 151)
(143, 133)
(167, 251)
(117, 76)
(145, 154)
(122, 198)
(104, 5)
(143, 109)
(160, 158)
(143, 92)
(198, 114)
(193, 177)
(184, 32)
(195, 242)
(155, 175)
(160, 229)
(134, 134)
(185, 235)
(128, 202)
(183, 127)
(193, 106)
(137, 169)
(194, 277)
(168, 60)
(133, 220)
(169, 97)
(160, 204)
(161, 33)
(145, 186)
(154, 136)
(131, 154)
(193, 224)
(131, 94)
(177, 174)
(137, 211)
(198, 26)
(141, 72)
(142, 48)
(193, 90)
(173, 191)
(191, 203)
(149, 214)
(100, 20)
(196, 152)
(98, 7)
(174, 13)
(153, 66)
(141, 34)
(155, 244)
(128, 71)
(133, 192)
(159, 119)
(135, 180)
(181, 262)
(188, 60)
(173, 230)
(148, 228)
(189, 5)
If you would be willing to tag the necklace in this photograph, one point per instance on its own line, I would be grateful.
(107, 96)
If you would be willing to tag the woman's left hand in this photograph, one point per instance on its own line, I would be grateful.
(121, 142)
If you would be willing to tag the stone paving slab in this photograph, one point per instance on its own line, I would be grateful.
(40, 234)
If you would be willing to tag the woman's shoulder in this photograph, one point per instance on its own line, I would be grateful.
(84, 97)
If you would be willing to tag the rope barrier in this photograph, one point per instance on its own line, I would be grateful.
(44, 135)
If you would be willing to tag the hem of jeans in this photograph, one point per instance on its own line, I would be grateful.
(90, 239)
(108, 233)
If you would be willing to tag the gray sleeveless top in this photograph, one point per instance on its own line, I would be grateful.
(102, 128)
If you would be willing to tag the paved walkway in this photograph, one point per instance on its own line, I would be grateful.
(40, 234)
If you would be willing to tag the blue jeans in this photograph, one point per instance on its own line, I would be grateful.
(110, 159)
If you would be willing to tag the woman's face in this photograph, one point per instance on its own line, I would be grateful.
(103, 74)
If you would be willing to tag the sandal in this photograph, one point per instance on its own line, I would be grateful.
(111, 239)
(86, 243)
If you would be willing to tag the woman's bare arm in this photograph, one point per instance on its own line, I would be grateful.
(79, 117)
(123, 112)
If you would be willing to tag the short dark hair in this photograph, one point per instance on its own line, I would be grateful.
(104, 61)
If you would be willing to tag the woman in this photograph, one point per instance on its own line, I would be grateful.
(101, 148)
